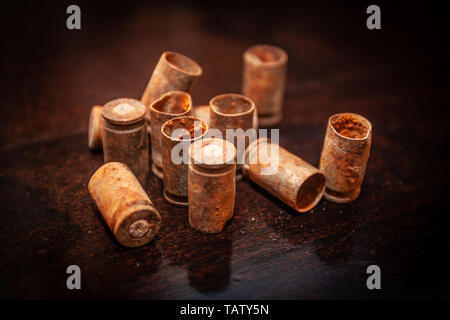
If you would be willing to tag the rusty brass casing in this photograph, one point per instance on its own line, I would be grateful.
(170, 105)
(123, 203)
(212, 184)
(345, 152)
(173, 72)
(95, 140)
(179, 133)
(233, 111)
(203, 112)
(264, 81)
(125, 135)
(293, 180)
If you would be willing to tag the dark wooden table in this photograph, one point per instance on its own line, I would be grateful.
(396, 77)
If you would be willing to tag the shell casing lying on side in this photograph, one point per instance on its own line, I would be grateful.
(125, 135)
(234, 111)
(177, 135)
(171, 105)
(95, 140)
(264, 81)
(173, 72)
(345, 153)
(124, 205)
(211, 184)
(285, 175)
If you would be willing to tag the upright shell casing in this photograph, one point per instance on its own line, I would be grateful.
(234, 111)
(345, 152)
(177, 135)
(170, 105)
(125, 135)
(95, 139)
(212, 184)
(264, 81)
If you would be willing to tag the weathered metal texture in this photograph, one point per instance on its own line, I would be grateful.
(201, 112)
(345, 152)
(174, 72)
(293, 180)
(179, 133)
(95, 140)
(170, 105)
(123, 203)
(264, 81)
(125, 135)
(233, 111)
(212, 184)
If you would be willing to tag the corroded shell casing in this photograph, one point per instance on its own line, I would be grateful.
(212, 184)
(173, 72)
(95, 140)
(345, 152)
(177, 136)
(124, 205)
(203, 112)
(170, 105)
(125, 135)
(264, 81)
(288, 177)
(234, 111)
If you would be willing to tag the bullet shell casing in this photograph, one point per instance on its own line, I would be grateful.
(233, 111)
(95, 139)
(123, 203)
(264, 81)
(344, 157)
(295, 182)
(175, 175)
(173, 72)
(212, 184)
(171, 105)
(125, 135)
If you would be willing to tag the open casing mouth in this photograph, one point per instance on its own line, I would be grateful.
(310, 192)
(265, 56)
(350, 126)
(183, 63)
(172, 103)
(190, 128)
(232, 105)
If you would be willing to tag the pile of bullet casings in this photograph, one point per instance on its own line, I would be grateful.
(205, 178)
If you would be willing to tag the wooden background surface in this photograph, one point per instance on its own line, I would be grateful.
(396, 77)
